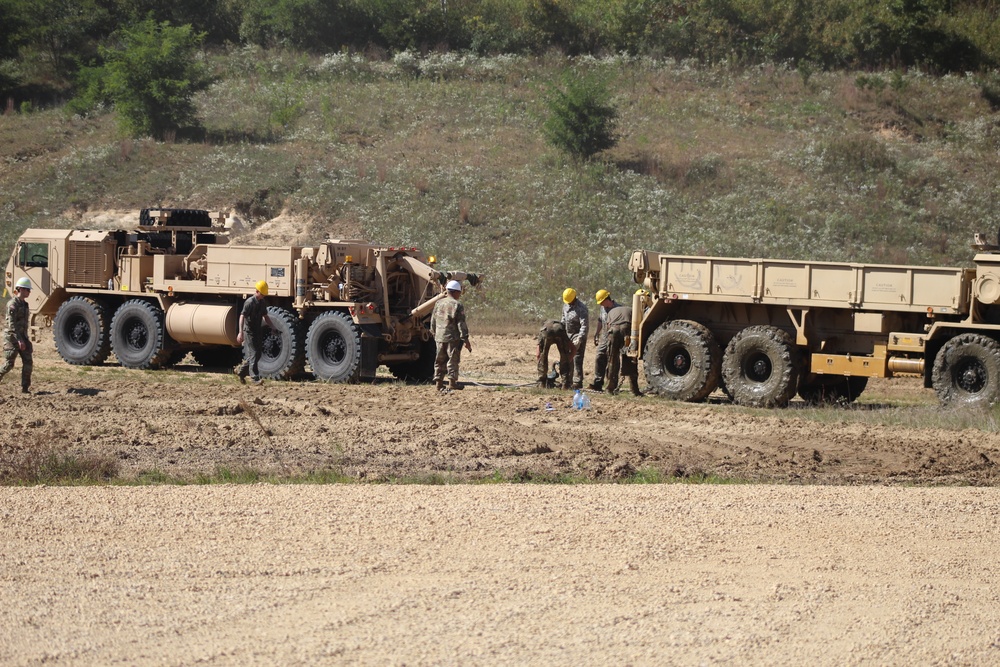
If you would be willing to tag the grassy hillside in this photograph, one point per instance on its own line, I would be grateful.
(446, 153)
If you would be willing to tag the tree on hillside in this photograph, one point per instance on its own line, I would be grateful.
(308, 24)
(152, 76)
(581, 119)
(218, 19)
(11, 25)
(62, 31)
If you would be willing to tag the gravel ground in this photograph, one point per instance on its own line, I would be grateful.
(500, 575)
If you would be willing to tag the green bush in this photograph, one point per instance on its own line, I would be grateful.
(855, 155)
(581, 119)
(90, 93)
(152, 77)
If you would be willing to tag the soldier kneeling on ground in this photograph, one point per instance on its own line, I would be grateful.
(553, 332)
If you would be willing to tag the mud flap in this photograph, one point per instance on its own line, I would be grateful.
(370, 337)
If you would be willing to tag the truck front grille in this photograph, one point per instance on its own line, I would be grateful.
(87, 266)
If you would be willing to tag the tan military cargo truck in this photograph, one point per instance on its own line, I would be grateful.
(762, 330)
(174, 285)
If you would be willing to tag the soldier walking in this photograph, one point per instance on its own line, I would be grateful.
(450, 333)
(576, 318)
(15, 334)
(251, 334)
(553, 332)
(619, 326)
(606, 303)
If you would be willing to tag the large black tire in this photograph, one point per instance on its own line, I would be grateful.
(967, 371)
(682, 361)
(333, 348)
(282, 357)
(218, 356)
(419, 370)
(822, 389)
(81, 332)
(138, 336)
(761, 367)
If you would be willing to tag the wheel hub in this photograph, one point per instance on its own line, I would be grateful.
(758, 368)
(680, 363)
(271, 347)
(137, 337)
(972, 378)
(79, 333)
(334, 348)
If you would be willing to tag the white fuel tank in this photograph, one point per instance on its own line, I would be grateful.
(210, 324)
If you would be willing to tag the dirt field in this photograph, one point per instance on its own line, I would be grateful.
(857, 567)
(189, 420)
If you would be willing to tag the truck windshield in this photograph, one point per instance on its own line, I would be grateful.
(33, 254)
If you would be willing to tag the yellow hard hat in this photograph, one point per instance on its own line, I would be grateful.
(261, 287)
(569, 295)
(602, 295)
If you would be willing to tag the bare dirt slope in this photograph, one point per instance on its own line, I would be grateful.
(189, 420)
(857, 568)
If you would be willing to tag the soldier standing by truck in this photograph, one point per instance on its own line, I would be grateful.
(618, 326)
(576, 318)
(15, 335)
(450, 333)
(606, 303)
(251, 334)
(553, 332)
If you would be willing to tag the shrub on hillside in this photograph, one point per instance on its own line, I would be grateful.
(856, 154)
(581, 119)
(152, 77)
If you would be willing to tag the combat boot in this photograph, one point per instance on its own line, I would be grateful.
(596, 385)
(25, 389)
(439, 384)
(453, 385)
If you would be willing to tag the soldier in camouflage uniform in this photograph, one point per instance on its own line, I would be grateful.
(607, 304)
(15, 335)
(553, 332)
(619, 326)
(576, 318)
(450, 333)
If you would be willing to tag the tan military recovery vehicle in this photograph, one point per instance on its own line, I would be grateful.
(174, 285)
(763, 330)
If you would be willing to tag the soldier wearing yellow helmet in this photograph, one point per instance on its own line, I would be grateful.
(251, 335)
(576, 319)
(617, 326)
(604, 300)
(15, 334)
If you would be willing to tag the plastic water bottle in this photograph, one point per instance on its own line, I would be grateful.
(584, 402)
(578, 400)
